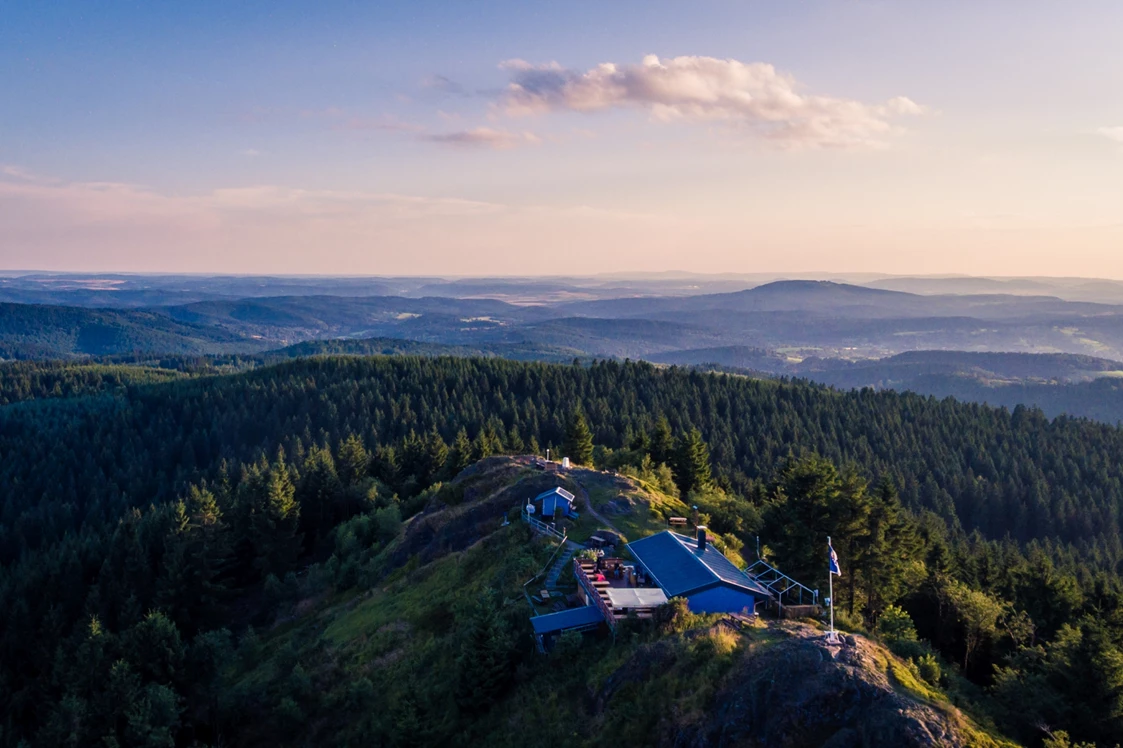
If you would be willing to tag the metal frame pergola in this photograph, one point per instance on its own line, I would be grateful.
(779, 583)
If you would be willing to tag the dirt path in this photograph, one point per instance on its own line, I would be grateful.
(582, 493)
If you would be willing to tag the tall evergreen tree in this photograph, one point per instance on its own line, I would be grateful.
(275, 526)
(889, 550)
(320, 494)
(436, 456)
(482, 445)
(460, 456)
(354, 462)
(191, 588)
(692, 463)
(799, 517)
(850, 516)
(662, 443)
(485, 660)
(578, 446)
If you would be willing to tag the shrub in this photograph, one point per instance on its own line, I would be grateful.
(895, 625)
(674, 616)
(929, 668)
(568, 645)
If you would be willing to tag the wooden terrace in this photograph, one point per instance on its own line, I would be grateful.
(614, 574)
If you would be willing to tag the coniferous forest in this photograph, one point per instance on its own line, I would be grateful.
(147, 520)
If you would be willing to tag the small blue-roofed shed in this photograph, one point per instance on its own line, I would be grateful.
(548, 627)
(693, 568)
(586, 617)
(557, 502)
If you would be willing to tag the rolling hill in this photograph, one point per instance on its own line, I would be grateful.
(38, 331)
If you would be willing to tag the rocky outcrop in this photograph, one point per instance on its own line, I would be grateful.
(801, 692)
(485, 493)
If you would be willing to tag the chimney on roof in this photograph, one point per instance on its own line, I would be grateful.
(701, 539)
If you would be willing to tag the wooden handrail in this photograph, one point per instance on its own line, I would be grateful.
(592, 592)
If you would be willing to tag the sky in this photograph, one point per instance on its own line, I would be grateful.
(525, 137)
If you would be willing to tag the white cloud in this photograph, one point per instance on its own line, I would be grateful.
(748, 96)
(1112, 133)
(485, 137)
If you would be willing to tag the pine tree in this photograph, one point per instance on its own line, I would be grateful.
(460, 456)
(209, 554)
(578, 446)
(849, 521)
(662, 443)
(354, 462)
(485, 660)
(799, 517)
(436, 456)
(413, 460)
(387, 465)
(692, 463)
(275, 527)
(190, 588)
(515, 444)
(482, 445)
(888, 550)
(320, 493)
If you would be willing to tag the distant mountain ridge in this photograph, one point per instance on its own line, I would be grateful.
(37, 331)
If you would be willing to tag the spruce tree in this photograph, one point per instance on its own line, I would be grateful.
(436, 456)
(482, 445)
(800, 517)
(460, 455)
(578, 446)
(485, 660)
(191, 589)
(320, 493)
(275, 527)
(662, 447)
(692, 463)
(889, 549)
(353, 463)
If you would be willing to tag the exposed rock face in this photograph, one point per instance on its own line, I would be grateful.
(801, 692)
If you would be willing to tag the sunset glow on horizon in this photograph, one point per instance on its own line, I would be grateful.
(579, 138)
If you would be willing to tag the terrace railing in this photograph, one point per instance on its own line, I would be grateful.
(541, 527)
(593, 593)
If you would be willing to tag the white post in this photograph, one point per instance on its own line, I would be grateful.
(831, 636)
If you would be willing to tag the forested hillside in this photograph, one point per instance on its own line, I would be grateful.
(188, 496)
(38, 380)
(29, 331)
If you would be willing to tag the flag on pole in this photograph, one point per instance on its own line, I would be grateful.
(834, 560)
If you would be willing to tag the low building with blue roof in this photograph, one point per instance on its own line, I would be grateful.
(693, 568)
(556, 503)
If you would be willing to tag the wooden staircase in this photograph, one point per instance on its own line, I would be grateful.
(560, 564)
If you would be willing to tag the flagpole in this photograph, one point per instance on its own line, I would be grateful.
(830, 579)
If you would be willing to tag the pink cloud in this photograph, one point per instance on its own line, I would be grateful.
(750, 96)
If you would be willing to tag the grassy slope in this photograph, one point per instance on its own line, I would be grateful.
(381, 664)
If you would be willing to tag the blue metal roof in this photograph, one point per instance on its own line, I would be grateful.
(680, 569)
(669, 562)
(558, 491)
(567, 619)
